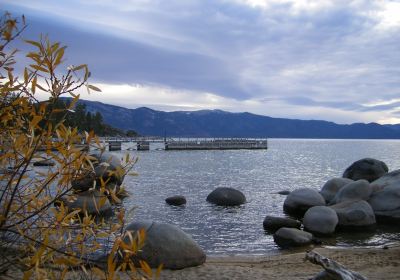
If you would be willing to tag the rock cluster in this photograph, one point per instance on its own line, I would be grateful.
(365, 195)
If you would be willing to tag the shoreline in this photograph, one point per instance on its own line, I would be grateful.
(373, 263)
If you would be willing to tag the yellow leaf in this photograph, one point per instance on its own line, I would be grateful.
(34, 82)
(26, 76)
(39, 68)
(79, 67)
(35, 120)
(146, 268)
(60, 55)
(92, 87)
(36, 44)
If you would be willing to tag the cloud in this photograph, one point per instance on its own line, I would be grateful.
(318, 58)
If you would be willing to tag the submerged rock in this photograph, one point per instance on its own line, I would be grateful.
(332, 186)
(176, 200)
(292, 237)
(93, 202)
(226, 197)
(284, 192)
(355, 214)
(168, 245)
(300, 200)
(272, 224)
(320, 220)
(367, 168)
(44, 162)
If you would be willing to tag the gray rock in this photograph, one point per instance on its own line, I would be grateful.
(83, 181)
(357, 190)
(176, 200)
(44, 162)
(332, 186)
(320, 220)
(168, 245)
(285, 192)
(92, 202)
(386, 180)
(354, 214)
(272, 224)
(108, 167)
(226, 197)
(292, 237)
(367, 168)
(300, 200)
(386, 203)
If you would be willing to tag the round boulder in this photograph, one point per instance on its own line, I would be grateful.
(354, 214)
(292, 237)
(320, 220)
(386, 180)
(93, 202)
(176, 200)
(272, 224)
(367, 168)
(332, 186)
(226, 197)
(108, 167)
(168, 245)
(357, 190)
(300, 200)
(386, 203)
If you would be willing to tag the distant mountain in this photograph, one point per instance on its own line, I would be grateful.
(217, 123)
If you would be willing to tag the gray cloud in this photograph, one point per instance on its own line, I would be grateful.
(337, 57)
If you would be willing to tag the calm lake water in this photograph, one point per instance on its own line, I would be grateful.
(287, 164)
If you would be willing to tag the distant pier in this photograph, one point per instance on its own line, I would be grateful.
(182, 144)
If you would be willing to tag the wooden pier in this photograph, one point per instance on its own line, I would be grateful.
(181, 144)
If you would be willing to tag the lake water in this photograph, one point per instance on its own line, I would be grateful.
(287, 164)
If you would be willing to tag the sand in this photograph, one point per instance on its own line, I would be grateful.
(373, 263)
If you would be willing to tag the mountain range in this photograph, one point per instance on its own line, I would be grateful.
(217, 123)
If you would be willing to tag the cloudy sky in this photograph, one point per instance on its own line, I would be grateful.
(319, 59)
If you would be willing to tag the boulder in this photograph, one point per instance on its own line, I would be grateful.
(386, 203)
(292, 237)
(332, 186)
(367, 168)
(93, 202)
(272, 224)
(320, 220)
(83, 181)
(168, 245)
(44, 162)
(226, 197)
(108, 167)
(300, 200)
(357, 190)
(354, 214)
(386, 180)
(176, 200)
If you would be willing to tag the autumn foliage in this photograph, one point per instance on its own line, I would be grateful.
(38, 239)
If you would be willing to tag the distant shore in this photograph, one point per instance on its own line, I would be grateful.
(373, 263)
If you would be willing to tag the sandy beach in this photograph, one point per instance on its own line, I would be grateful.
(373, 263)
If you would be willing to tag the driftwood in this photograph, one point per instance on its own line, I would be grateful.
(333, 270)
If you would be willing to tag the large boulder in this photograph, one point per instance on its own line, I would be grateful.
(168, 245)
(93, 202)
(386, 203)
(108, 167)
(176, 200)
(332, 186)
(367, 168)
(357, 190)
(292, 237)
(320, 220)
(386, 180)
(226, 197)
(354, 214)
(300, 200)
(272, 224)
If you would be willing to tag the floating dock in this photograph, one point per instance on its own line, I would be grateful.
(181, 144)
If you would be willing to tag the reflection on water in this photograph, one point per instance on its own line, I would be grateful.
(259, 174)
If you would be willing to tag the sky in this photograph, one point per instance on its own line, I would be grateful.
(319, 59)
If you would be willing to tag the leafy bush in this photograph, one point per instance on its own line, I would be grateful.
(38, 239)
